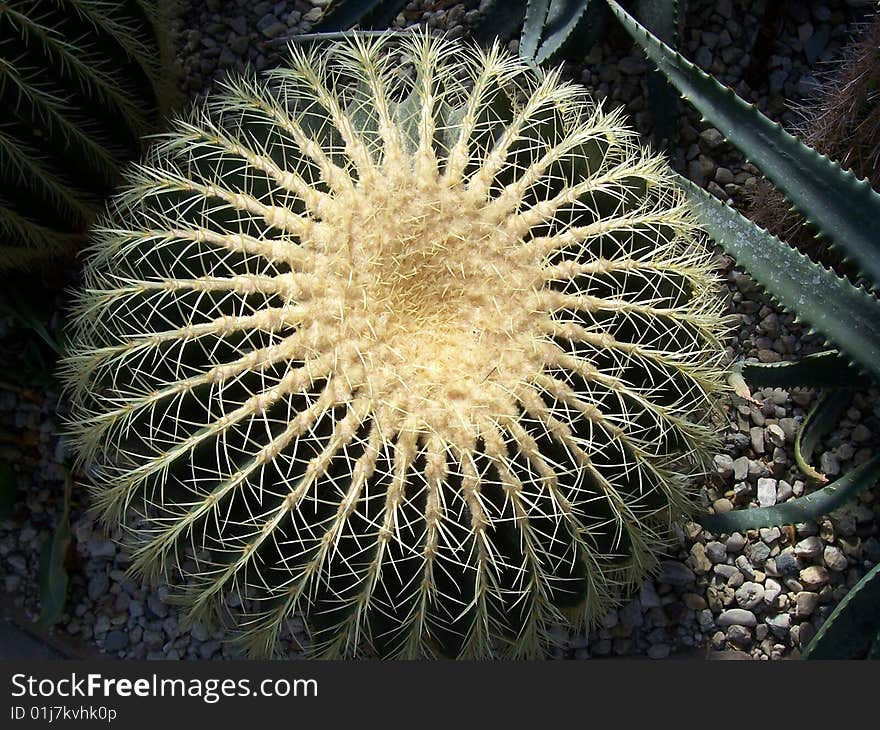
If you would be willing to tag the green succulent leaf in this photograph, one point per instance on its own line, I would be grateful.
(52, 575)
(853, 628)
(363, 13)
(803, 509)
(843, 208)
(821, 420)
(551, 24)
(533, 28)
(820, 370)
(842, 313)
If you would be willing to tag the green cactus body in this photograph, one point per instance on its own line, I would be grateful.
(415, 342)
(80, 82)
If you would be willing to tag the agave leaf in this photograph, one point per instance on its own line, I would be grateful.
(803, 509)
(52, 574)
(843, 209)
(567, 19)
(364, 13)
(661, 18)
(500, 20)
(821, 420)
(533, 28)
(853, 628)
(820, 370)
(842, 313)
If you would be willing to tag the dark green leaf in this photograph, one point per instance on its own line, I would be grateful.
(52, 576)
(823, 369)
(852, 629)
(842, 313)
(567, 21)
(821, 420)
(533, 28)
(842, 208)
(803, 509)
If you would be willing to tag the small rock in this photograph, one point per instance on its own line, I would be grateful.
(772, 589)
(814, 577)
(694, 601)
(766, 492)
(786, 564)
(698, 560)
(721, 506)
(631, 615)
(774, 434)
(741, 468)
(805, 603)
(749, 595)
(736, 617)
(735, 542)
(724, 465)
(716, 552)
(756, 433)
(98, 586)
(739, 636)
(115, 641)
(808, 548)
(834, 558)
(780, 624)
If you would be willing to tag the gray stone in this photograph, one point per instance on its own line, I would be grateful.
(739, 636)
(834, 558)
(808, 548)
(749, 595)
(631, 616)
(648, 595)
(735, 542)
(757, 553)
(786, 564)
(745, 567)
(716, 552)
(774, 434)
(805, 603)
(116, 641)
(779, 625)
(98, 586)
(736, 617)
(814, 576)
(741, 468)
(783, 491)
(772, 589)
(766, 492)
(101, 548)
(756, 434)
(724, 465)
(698, 560)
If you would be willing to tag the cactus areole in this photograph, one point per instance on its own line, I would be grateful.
(407, 338)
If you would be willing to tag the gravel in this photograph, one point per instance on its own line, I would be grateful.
(761, 594)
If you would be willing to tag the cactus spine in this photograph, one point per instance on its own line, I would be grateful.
(416, 342)
(80, 82)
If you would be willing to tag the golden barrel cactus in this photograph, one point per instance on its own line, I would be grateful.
(408, 338)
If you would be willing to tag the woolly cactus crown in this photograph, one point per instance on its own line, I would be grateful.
(418, 343)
